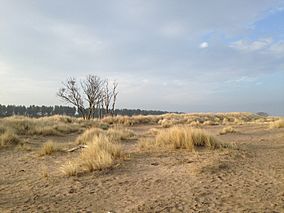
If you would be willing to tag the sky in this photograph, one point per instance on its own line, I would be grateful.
(174, 55)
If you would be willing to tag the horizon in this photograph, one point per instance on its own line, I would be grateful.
(168, 56)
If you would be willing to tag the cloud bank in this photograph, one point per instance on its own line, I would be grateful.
(157, 50)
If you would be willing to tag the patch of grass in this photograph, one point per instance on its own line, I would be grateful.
(146, 143)
(277, 124)
(153, 131)
(88, 135)
(210, 123)
(24, 146)
(226, 130)
(195, 124)
(54, 125)
(119, 133)
(180, 137)
(70, 168)
(99, 154)
(165, 123)
(8, 138)
(48, 148)
(104, 126)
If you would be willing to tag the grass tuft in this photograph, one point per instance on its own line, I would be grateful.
(70, 168)
(99, 154)
(179, 137)
(88, 135)
(277, 124)
(118, 133)
(8, 138)
(226, 130)
(48, 148)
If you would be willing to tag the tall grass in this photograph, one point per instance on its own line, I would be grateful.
(228, 129)
(53, 125)
(88, 135)
(100, 153)
(277, 124)
(48, 148)
(180, 137)
(7, 138)
(116, 133)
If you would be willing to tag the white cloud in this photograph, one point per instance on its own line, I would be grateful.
(204, 45)
(277, 48)
(251, 45)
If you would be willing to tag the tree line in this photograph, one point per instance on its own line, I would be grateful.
(39, 111)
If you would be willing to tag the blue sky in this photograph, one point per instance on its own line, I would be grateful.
(184, 55)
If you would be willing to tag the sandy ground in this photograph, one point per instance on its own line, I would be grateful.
(249, 179)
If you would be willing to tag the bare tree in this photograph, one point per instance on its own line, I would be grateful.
(114, 96)
(94, 91)
(92, 88)
(107, 97)
(70, 93)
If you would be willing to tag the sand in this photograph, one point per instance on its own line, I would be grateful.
(247, 179)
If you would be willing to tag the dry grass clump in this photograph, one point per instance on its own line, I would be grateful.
(119, 133)
(70, 168)
(146, 143)
(88, 135)
(54, 125)
(165, 123)
(277, 124)
(8, 137)
(100, 153)
(131, 120)
(226, 130)
(153, 131)
(179, 137)
(48, 148)
(210, 123)
(195, 124)
(116, 133)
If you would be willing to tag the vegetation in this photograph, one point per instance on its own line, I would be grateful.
(88, 135)
(36, 111)
(40, 111)
(48, 148)
(90, 96)
(226, 130)
(119, 133)
(8, 138)
(181, 137)
(70, 168)
(100, 153)
(277, 124)
(53, 125)
(116, 133)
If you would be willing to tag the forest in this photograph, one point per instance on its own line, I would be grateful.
(39, 111)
